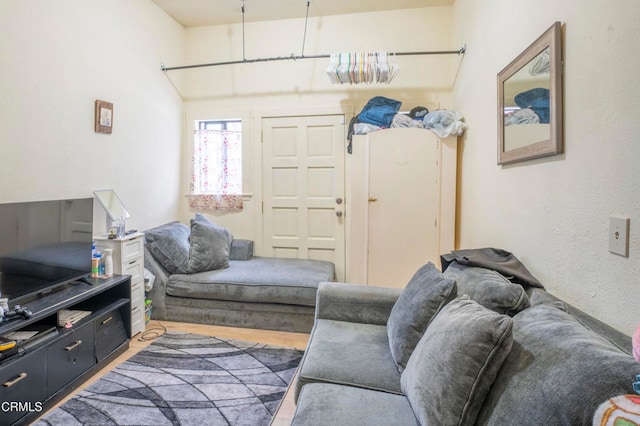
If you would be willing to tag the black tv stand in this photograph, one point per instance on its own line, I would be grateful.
(90, 280)
(48, 367)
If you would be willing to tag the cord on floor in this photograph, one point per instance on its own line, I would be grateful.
(152, 333)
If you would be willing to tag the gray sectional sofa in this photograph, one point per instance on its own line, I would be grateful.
(432, 355)
(203, 275)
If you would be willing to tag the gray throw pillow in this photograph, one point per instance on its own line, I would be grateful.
(169, 245)
(451, 370)
(425, 294)
(558, 372)
(489, 288)
(209, 246)
(201, 218)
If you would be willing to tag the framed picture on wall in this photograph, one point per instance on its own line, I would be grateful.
(103, 117)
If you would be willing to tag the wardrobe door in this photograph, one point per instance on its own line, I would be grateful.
(403, 205)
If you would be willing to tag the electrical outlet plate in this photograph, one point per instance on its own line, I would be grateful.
(619, 235)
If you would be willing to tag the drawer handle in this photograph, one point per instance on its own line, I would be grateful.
(107, 320)
(75, 345)
(14, 381)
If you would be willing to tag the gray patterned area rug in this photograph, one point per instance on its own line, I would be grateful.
(186, 379)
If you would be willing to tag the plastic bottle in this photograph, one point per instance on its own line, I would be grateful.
(108, 262)
(101, 256)
(95, 266)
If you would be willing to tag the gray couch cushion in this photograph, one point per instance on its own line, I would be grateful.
(455, 363)
(326, 404)
(209, 246)
(557, 373)
(420, 301)
(489, 288)
(539, 296)
(241, 249)
(169, 245)
(349, 353)
(492, 258)
(261, 279)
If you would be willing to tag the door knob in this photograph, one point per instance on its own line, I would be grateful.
(338, 201)
(372, 199)
(339, 213)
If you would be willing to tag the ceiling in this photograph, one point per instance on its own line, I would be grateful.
(194, 13)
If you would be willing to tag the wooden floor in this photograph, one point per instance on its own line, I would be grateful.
(156, 328)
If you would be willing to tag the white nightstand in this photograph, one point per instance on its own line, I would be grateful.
(128, 259)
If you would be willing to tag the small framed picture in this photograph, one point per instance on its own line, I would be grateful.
(104, 117)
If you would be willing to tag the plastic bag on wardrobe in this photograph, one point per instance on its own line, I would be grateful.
(445, 123)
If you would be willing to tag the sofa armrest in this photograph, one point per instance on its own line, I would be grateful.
(241, 250)
(355, 303)
(159, 290)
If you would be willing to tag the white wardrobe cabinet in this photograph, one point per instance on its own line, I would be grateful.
(401, 204)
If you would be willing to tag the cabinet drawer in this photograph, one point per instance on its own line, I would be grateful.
(137, 320)
(69, 357)
(137, 294)
(132, 249)
(110, 333)
(22, 381)
(134, 268)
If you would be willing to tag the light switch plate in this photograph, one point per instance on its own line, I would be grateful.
(619, 235)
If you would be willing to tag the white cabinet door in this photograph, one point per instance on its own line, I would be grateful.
(398, 196)
(303, 188)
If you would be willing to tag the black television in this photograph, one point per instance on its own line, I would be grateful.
(44, 245)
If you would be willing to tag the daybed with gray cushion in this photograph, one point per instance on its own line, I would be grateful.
(432, 355)
(203, 275)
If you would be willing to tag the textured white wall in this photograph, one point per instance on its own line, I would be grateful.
(554, 213)
(58, 57)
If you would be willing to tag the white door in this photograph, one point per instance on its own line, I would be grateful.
(303, 188)
(403, 205)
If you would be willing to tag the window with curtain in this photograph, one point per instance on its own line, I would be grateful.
(216, 172)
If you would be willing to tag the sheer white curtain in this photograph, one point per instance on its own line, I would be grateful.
(216, 177)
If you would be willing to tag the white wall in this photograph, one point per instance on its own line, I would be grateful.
(58, 57)
(554, 213)
(253, 91)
